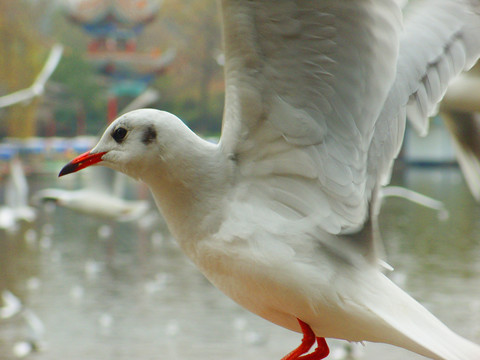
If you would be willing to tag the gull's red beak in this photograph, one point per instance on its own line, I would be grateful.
(81, 162)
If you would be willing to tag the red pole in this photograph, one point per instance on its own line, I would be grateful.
(112, 108)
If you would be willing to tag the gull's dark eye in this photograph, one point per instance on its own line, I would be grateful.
(119, 134)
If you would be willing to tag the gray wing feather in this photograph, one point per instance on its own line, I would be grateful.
(441, 39)
(305, 83)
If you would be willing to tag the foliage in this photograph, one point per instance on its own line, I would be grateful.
(192, 87)
(22, 54)
(83, 99)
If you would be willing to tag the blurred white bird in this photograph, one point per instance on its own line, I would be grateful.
(38, 86)
(16, 208)
(95, 201)
(11, 305)
(460, 111)
(35, 340)
(281, 214)
(417, 198)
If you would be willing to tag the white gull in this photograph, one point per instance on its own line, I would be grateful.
(95, 199)
(38, 86)
(281, 214)
(16, 208)
(460, 110)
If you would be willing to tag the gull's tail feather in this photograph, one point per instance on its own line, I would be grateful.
(416, 329)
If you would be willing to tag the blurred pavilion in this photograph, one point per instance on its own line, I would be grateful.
(114, 26)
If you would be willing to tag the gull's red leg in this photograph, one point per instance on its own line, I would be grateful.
(307, 341)
(321, 352)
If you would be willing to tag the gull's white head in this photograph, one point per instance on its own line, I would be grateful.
(134, 142)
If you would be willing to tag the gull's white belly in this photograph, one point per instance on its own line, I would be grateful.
(279, 290)
(257, 289)
(326, 294)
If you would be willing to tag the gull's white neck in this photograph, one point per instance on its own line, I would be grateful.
(189, 184)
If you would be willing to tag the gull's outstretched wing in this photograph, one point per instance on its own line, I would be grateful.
(440, 40)
(38, 87)
(460, 110)
(305, 84)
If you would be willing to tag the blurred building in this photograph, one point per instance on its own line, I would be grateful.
(114, 27)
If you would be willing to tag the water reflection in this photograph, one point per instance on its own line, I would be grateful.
(126, 291)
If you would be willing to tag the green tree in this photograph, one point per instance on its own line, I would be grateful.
(22, 53)
(82, 103)
(193, 86)
(83, 99)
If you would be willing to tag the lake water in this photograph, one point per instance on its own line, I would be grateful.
(117, 291)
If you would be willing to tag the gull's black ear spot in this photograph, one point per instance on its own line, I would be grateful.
(149, 135)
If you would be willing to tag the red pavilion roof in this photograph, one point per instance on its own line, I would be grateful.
(128, 12)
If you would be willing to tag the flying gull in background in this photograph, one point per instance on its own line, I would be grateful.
(281, 214)
(38, 86)
(92, 199)
(15, 208)
(460, 111)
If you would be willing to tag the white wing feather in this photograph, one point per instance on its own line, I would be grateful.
(38, 87)
(441, 39)
(449, 32)
(305, 83)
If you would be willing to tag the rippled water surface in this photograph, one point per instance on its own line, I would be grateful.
(117, 291)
